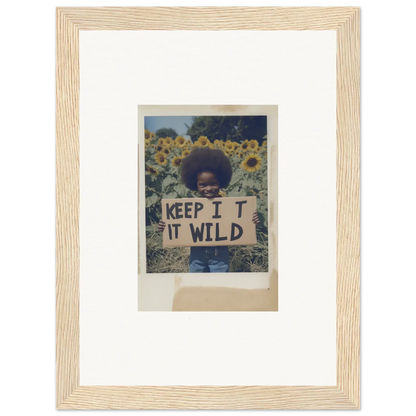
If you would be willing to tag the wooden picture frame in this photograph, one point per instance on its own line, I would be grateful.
(69, 393)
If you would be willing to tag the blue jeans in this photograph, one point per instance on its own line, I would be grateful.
(209, 260)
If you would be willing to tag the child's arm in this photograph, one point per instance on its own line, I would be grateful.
(161, 226)
(255, 218)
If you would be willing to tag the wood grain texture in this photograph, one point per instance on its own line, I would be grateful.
(208, 18)
(348, 207)
(70, 395)
(207, 397)
(67, 208)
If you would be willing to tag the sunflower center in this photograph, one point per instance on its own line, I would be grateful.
(252, 162)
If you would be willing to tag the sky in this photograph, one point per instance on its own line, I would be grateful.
(175, 122)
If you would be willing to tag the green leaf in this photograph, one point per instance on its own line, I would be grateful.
(234, 192)
(249, 183)
(171, 195)
(237, 193)
(166, 182)
(243, 192)
(181, 190)
(236, 178)
(157, 185)
(151, 200)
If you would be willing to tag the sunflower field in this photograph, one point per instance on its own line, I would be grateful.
(163, 158)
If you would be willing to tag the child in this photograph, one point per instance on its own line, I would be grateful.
(207, 171)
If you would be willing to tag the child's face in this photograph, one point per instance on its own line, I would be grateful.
(208, 185)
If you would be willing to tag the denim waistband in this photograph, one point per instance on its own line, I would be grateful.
(209, 252)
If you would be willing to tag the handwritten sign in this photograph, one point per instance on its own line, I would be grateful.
(209, 222)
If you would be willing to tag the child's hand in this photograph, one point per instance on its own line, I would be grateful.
(161, 226)
(255, 218)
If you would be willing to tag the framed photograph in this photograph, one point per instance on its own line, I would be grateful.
(208, 222)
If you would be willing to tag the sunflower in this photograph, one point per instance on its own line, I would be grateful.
(186, 152)
(159, 148)
(222, 193)
(161, 159)
(255, 150)
(253, 145)
(251, 163)
(166, 151)
(180, 141)
(149, 134)
(229, 145)
(244, 146)
(147, 142)
(161, 141)
(217, 143)
(168, 141)
(203, 141)
(152, 170)
(264, 144)
(176, 161)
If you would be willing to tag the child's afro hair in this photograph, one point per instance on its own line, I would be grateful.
(204, 159)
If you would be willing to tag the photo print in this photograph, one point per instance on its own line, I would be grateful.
(206, 194)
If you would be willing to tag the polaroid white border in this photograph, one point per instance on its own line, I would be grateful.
(156, 291)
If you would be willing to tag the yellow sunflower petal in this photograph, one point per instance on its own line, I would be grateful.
(244, 146)
(161, 159)
(252, 163)
(203, 141)
(152, 170)
(176, 161)
(180, 141)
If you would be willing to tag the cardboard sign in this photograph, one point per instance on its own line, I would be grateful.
(209, 222)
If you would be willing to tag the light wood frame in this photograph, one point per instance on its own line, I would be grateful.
(346, 394)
